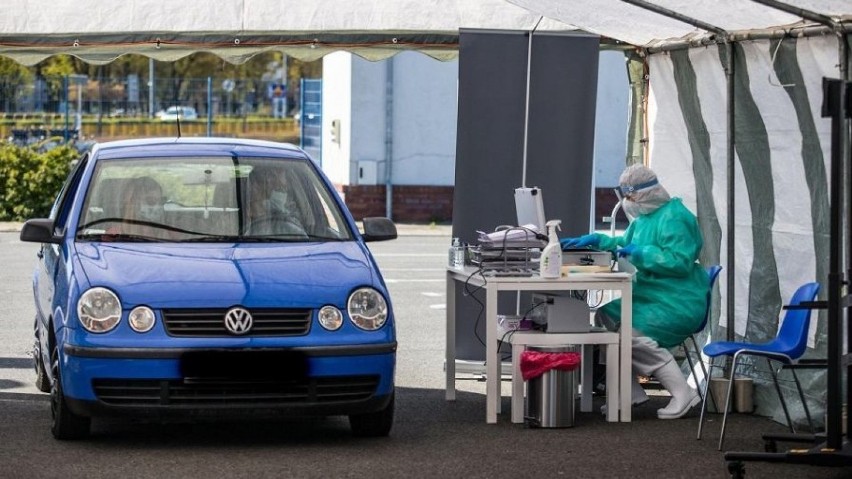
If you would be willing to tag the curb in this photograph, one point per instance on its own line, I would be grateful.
(10, 227)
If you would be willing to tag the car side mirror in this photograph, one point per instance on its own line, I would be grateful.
(379, 229)
(39, 230)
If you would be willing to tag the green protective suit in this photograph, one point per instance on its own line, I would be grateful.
(670, 287)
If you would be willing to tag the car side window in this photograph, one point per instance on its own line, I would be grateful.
(62, 206)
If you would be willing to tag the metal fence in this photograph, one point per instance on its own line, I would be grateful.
(77, 105)
(135, 97)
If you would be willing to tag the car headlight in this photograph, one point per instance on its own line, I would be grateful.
(141, 319)
(99, 310)
(367, 309)
(330, 318)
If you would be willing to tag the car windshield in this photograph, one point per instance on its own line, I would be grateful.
(209, 200)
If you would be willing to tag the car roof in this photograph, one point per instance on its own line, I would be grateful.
(196, 146)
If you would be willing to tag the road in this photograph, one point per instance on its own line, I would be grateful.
(431, 437)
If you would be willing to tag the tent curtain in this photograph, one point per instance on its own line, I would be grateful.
(782, 153)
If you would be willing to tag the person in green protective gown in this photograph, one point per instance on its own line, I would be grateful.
(670, 285)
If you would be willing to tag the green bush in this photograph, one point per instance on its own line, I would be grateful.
(30, 180)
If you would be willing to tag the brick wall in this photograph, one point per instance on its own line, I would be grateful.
(425, 204)
(411, 203)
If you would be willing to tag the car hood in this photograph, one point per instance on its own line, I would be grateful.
(253, 275)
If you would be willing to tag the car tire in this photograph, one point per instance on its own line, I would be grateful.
(66, 425)
(42, 382)
(374, 424)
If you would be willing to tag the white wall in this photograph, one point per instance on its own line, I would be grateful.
(337, 88)
(423, 130)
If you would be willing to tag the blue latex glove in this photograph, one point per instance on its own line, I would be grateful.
(626, 251)
(580, 242)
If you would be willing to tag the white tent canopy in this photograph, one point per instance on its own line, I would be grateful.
(639, 26)
(767, 58)
(98, 31)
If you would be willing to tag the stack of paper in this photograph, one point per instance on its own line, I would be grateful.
(526, 236)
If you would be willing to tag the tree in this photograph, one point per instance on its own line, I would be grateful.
(53, 71)
(13, 77)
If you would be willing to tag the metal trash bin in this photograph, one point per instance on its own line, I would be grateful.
(551, 397)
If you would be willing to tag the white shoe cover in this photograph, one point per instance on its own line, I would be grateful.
(683, 396)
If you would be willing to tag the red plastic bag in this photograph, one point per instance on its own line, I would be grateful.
(536, 363)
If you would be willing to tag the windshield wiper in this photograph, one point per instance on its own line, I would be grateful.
(291, 238)
(212, 239)
(118, 238)
(326, 238)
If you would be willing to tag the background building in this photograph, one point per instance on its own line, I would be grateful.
(393, 124)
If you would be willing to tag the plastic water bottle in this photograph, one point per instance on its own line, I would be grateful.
(456, 257)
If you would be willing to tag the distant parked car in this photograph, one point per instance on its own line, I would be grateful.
(171, 113)
(208, 275)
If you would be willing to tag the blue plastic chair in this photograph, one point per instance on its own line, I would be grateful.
(787, 347)
(713, 273)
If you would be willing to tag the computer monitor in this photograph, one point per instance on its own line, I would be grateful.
(529, 207)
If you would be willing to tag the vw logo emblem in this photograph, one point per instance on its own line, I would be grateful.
(238, 321)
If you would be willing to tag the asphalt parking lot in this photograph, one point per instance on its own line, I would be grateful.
(431, 436)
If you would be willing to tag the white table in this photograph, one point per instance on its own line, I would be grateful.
(574, 281)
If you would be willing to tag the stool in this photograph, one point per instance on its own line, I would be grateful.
(521, 339)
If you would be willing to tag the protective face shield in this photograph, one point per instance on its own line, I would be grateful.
(631, 208)
(643, 193)
(629, 190)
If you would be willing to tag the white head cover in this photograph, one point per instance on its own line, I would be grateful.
(646, 193)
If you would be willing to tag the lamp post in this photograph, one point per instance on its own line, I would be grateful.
(151, 87)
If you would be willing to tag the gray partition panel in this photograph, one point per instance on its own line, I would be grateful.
(490, 140)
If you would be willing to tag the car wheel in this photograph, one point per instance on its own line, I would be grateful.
(42, 382)
(374, 424)
(66, 425)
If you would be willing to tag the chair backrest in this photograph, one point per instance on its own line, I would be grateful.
(713, 273)
(793, 335)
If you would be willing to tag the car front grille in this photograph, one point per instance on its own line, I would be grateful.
(211, 322)
(234, 392)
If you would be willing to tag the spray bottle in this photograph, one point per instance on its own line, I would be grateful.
(550, 265)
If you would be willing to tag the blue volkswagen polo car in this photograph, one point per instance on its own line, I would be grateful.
(193, 276)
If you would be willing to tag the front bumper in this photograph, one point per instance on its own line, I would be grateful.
(128, 381)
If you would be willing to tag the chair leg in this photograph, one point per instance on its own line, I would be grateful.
(692, 369)
(728, 400)
(804, 402)
(781, 396)
(703, 369)
(704, 401)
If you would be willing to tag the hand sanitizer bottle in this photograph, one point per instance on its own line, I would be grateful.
(456, 257)
(550, 265)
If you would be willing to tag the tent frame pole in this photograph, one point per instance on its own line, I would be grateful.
(676, 16)
(724, 36)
